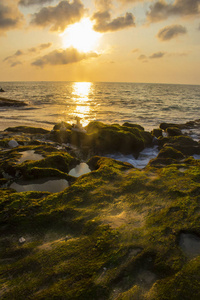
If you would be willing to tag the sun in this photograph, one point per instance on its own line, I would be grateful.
(81, 36)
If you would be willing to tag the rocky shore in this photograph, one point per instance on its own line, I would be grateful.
(116, 232)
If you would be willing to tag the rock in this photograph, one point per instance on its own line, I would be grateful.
(169, 152)
(182, 143)
(8, 102)
(164, 126)
(104, 138)
(13, 144)
(173, 131)
(157, 132)
(22, 240)
(62, 125)
(27, 129)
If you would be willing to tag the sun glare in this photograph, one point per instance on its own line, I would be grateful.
(81, 36)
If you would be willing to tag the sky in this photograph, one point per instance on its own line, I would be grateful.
(155, 41)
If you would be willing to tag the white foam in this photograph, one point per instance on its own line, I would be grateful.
(143, 159)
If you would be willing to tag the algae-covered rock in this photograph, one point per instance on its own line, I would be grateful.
(157, 132)
(62, 162)
(169, 152)
(26, 129)
(184, 144)
(173, 131)
(99, 138)
(115, 138)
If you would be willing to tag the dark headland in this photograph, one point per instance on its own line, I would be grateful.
(116, 232)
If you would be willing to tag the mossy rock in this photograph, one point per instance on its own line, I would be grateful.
(27, 129)
(157, 132)
(183, 285)
(184, 144)
(169, 152)
(104, 138)
(61, 161)
(173, 131)
(63, 125)
(100, 138)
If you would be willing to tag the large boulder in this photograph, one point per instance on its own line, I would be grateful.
(127, 138)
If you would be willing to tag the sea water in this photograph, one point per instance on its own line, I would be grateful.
(141, 103)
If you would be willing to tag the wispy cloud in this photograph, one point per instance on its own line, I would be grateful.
(157, 55)
(13, 60)
(169, 32)
(33, 2)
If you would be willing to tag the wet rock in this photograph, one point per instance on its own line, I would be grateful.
(26, 129)
(13, 144)
(157, 133)
(22, 240)
(184, 144)
(169, 152)
(173, 131)
(104, 138)
(9, 102)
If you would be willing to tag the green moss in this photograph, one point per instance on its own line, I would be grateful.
(96, 238)
(183, 285)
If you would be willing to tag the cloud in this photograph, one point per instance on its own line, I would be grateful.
(16, 63)
(157, 55)
(135, 50)
(63, 57)
(161, 9)
(103, 4)
(142, 57)
(16, 54)
(33, 2)
(10, 16)
(13, 60)
(40, 47)
(60, 16)
(170, 32)
(105, 24)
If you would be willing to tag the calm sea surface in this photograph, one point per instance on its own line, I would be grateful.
(144, 104)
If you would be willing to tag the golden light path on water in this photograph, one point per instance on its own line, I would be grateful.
(81, 91)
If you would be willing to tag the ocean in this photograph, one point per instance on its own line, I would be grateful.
(141, 103)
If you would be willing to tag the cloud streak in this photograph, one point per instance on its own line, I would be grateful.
(33, 2)
(105, 24)
(63, 57)
(60, 16)
(169, 32)
(157, 55)
(13, 60)
(161, 9)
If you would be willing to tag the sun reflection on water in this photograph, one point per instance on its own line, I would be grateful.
(81, 91)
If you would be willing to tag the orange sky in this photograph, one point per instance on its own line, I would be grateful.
(93, 40)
